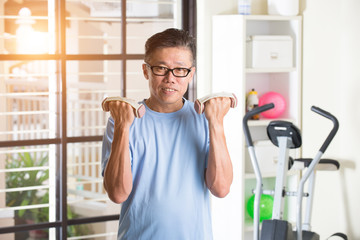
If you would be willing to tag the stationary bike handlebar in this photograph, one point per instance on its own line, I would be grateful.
(248, 116)
(334, 129)
(250, 145)
(311, 168)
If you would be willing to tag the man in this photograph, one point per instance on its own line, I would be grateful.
(162, 166)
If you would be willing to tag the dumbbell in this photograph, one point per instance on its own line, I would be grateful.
(139, 109)
(199, 104)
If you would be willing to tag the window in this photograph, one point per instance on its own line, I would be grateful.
(58, 60)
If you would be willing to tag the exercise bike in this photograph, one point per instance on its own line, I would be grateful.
(287, 136)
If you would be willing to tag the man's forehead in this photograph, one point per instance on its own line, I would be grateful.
(173, 55)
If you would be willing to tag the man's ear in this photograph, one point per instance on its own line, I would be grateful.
(192, 73)
(145, 71)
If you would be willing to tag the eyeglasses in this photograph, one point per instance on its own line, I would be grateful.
(162, 71)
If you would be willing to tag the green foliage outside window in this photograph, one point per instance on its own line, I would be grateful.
(29, 178)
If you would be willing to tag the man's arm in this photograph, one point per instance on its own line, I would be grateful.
(219, 172)
(117, 176)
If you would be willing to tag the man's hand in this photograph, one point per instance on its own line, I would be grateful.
(122, 113)
(139, 109)
(199, 104)
(216, 109)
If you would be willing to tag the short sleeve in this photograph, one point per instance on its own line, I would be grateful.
(106, 144)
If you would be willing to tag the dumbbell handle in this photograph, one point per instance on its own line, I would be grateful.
(139, 109)
(199, 104)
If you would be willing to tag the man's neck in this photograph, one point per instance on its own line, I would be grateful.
(164, 108)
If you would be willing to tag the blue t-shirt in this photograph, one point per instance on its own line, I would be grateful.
(169, 199)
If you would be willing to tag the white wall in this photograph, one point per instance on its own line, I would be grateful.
(206, 9)
(331, 80)
(227, 213)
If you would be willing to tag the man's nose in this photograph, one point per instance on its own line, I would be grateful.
(169, 77)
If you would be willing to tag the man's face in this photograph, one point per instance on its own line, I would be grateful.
(166, 92)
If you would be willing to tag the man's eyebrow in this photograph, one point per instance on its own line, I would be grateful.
(181, 64)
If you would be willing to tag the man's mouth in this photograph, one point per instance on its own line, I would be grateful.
(169, 89)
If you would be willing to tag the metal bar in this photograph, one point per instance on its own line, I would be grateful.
(92, 19)
(23, 188)
(63, 124)
(24, 57)
(24, 207)
(26, 169)
(21, 143)
(84, 139)
(94, 236)
(123, 45)
(88, 57)
(48, 141)
(188, 10)
(300, 192)
(58, 33)
(280, 184)
(57, 224)
(28, 227)
(23, 113)
(309, 202)
(96, 197)
(258, 191)
(25, 131)
(93, 219)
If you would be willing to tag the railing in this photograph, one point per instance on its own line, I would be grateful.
(28, 112)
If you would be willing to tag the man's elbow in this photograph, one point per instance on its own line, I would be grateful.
(220, 192)
(119, 198)
(219, 187)
(116, 195)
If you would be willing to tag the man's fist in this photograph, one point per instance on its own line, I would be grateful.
(139, 109)
(200, 103)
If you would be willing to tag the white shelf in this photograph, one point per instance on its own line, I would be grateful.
(271, 18)
(249, 225)
(269, 70)
(266, 175)
(265, 122)
(230, 33)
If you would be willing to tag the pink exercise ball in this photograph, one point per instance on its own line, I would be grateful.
(277, 99)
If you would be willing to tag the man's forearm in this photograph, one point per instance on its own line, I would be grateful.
(117, 176)
(219, 173)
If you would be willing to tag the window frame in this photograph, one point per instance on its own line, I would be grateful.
(188, 23)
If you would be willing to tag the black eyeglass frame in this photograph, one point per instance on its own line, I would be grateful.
(169, 70)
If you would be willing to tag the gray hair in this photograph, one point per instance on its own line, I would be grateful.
(170, 38)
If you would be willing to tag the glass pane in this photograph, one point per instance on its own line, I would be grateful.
(27, 100)
(93, 27)
(139, 32)
(151, 9)
(86, 195)
(88, 83)
(84, 172)
(136, 85)
(94, 231)
(146, 17)
(27, 27)
(27, 186)
(40, 234)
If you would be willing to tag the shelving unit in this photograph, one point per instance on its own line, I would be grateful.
(230, 73)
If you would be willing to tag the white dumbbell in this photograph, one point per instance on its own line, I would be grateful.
(139, 109)
(200, 103)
